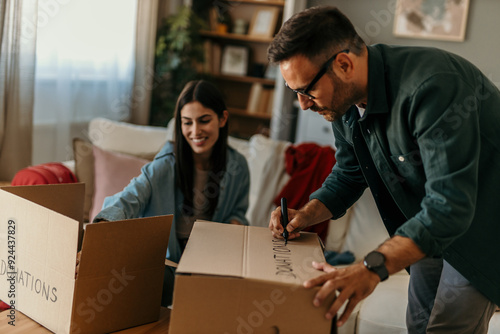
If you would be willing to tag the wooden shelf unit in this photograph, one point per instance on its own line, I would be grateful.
(245, 113)
(263, 2)
(247, 79)
(249, 97)
(235, 37)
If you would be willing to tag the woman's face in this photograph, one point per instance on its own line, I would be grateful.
(200, 127)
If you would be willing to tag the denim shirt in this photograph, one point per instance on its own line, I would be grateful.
(432, 129)
(154, 193)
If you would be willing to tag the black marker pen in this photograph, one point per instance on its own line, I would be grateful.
(284, 218)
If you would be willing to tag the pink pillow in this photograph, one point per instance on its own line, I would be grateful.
(112, 172)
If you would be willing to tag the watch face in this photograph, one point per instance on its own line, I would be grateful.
(374, 259)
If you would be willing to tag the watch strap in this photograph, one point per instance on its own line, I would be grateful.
(375, 261)
(382, 272)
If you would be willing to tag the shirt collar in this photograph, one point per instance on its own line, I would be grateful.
(377, 94)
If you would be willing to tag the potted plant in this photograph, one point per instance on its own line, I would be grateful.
(179, 52)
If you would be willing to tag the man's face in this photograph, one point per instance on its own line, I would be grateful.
(333, 97)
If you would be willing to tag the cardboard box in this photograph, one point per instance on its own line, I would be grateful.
(239, 279)
(121, 270)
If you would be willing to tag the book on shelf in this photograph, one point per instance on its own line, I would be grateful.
(216, 58)
(260, 99)
(270, 102)
(207, 61)
(213, 18)
(212, 57)
(254, 98)
(266, 100)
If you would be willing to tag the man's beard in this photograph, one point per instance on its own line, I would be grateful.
(343, 97)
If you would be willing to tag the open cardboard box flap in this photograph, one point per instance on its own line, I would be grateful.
(121, 269)
(239, 279)
(250, 252)
(68, 201)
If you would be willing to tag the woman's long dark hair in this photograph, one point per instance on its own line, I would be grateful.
(210, 97)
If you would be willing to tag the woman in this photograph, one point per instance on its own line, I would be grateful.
(197, 177)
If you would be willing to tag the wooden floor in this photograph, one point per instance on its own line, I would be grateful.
(23, 324)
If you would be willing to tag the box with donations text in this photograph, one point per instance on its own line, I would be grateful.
(239, 279)
(121, 269)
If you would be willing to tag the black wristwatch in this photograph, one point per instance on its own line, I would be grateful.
(375, 261)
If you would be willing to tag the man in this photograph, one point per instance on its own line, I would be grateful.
(419, 126)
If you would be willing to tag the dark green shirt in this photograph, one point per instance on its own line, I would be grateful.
(432, 127)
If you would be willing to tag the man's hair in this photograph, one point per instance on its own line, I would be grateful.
(314, 32)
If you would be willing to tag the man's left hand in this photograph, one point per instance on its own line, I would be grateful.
(354, 283)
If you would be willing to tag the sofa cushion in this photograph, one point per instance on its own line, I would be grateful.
(384, 311)
(366, 231)
(494, 323)
(137, 140)
(337, 231)
(114, 136)
(112, 172)
(266, 162)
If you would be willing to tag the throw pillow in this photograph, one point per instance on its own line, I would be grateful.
(137, 140)
(112, 172)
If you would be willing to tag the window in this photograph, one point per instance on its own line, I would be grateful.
(84, 69)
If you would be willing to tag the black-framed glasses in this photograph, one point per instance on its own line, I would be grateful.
(318, 76)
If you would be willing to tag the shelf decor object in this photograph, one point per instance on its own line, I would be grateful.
(235, 60)
(264, 22)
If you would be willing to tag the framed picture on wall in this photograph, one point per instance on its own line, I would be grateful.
(264, 21)
(431, 19)
(235, 60)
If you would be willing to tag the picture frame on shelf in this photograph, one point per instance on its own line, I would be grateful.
(427, 19)
(235, 60)
(263, 22)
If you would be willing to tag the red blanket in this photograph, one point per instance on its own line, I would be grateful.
(47, 173)
(308, 165)
(4, 306)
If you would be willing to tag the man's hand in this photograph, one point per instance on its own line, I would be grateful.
(354, 283)
(295, 223)
(312, 213)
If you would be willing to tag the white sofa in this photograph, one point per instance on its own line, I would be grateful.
(359, 231)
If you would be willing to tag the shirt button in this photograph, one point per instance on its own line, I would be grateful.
(401, 158)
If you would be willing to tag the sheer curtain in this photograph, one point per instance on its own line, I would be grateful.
(84, 69)
(18, 20)
(145, 44)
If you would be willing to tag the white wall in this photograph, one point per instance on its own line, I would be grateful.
(374, 20)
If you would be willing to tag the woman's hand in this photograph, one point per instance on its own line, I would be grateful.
(78, 257)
